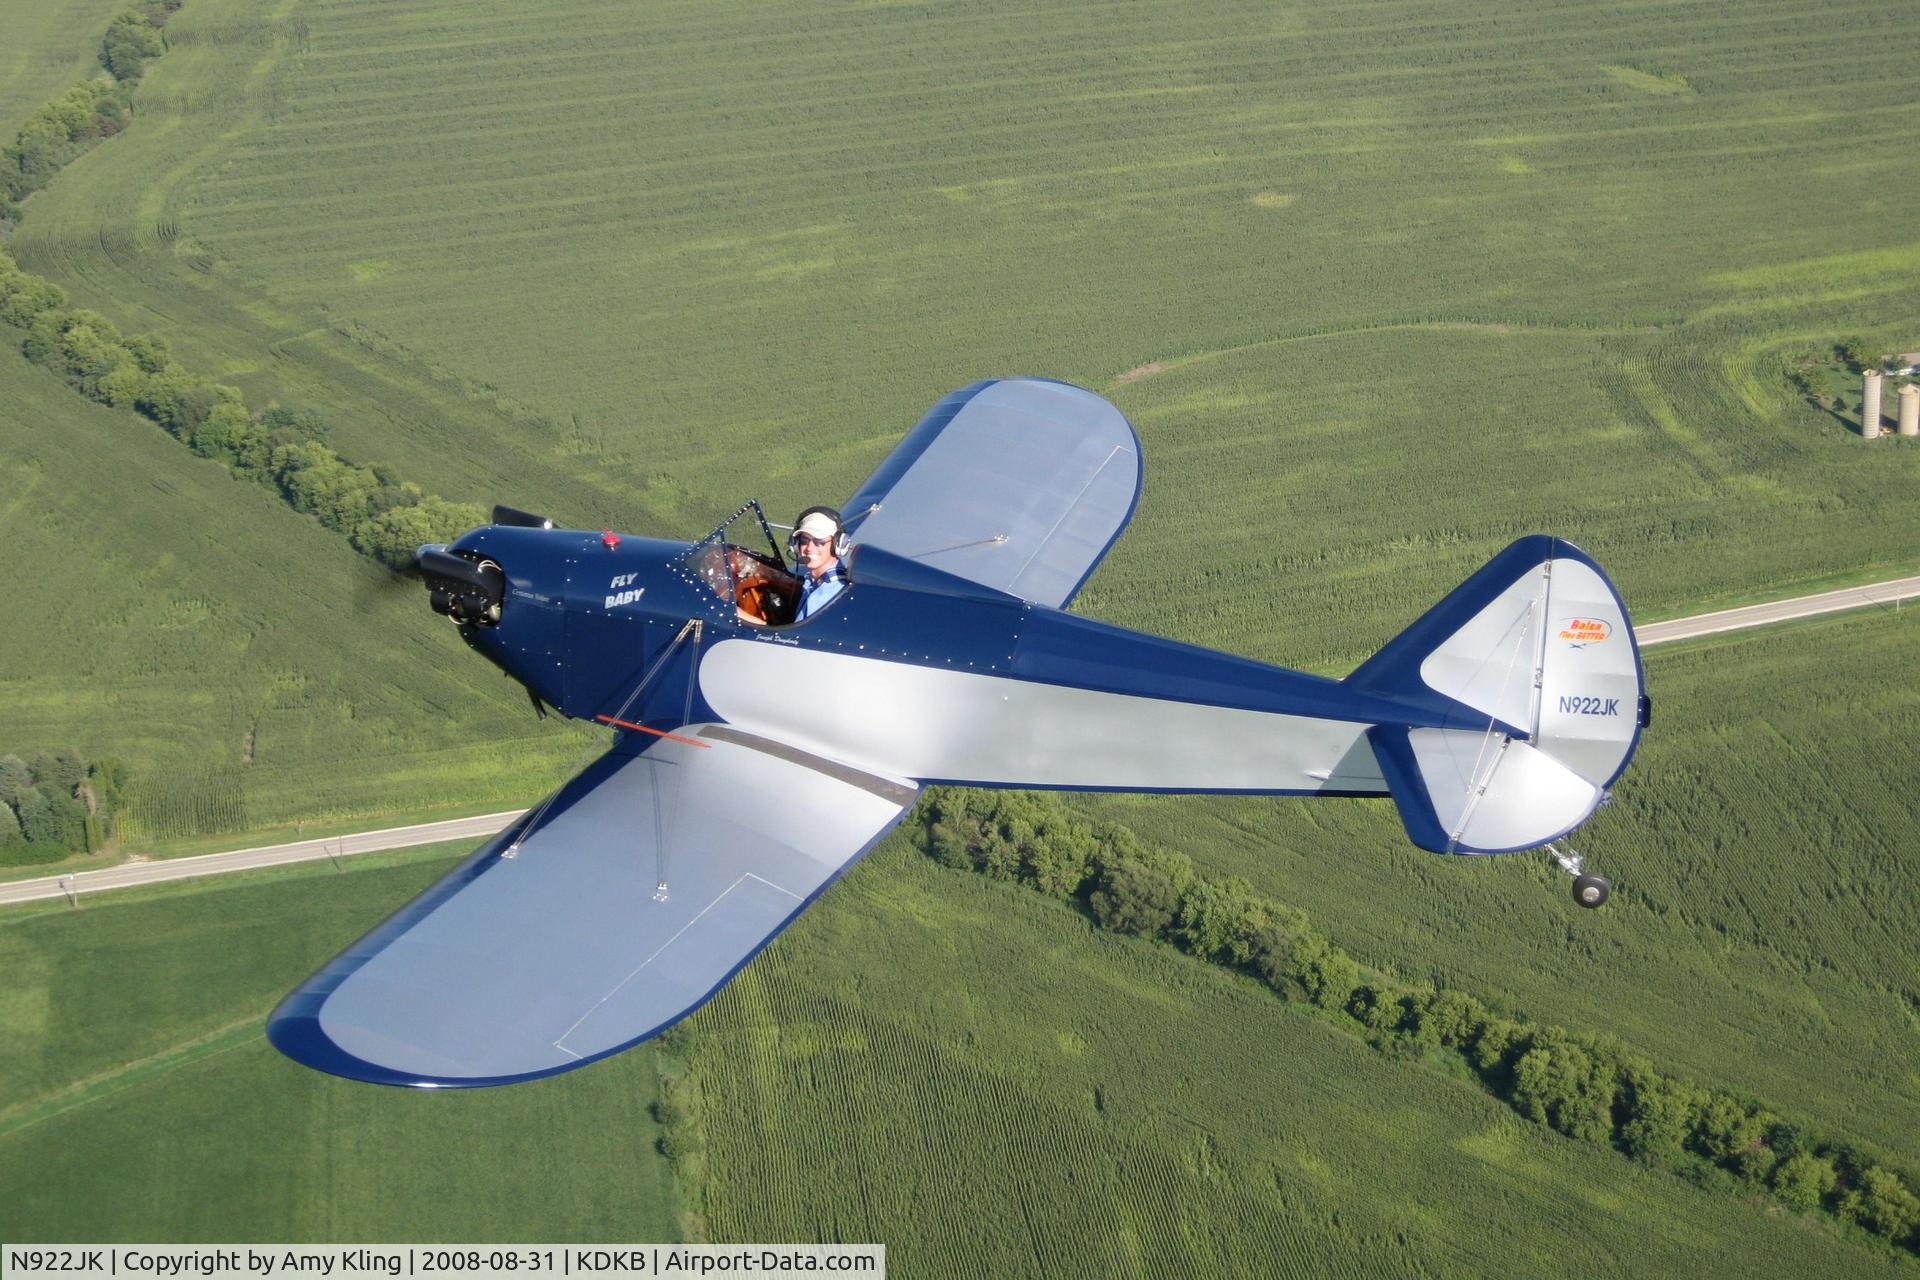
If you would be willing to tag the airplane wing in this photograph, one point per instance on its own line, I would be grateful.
(549, 948)
(1020, 484)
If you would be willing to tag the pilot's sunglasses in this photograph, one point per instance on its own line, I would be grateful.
(808, 540)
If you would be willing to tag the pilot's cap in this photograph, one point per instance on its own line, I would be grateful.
(819, 524)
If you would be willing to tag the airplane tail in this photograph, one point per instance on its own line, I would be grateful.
(1533, 668)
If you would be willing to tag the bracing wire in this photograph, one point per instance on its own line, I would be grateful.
(1477, 785)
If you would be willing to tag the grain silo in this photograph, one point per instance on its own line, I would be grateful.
(1870, 405)
(1910, 409)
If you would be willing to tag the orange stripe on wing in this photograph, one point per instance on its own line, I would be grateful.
(658, 733)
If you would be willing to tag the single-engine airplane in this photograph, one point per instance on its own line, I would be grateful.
(755, 759)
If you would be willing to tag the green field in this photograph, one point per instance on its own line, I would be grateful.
(957, 1068)
(971, 1074)
(140, 1100)
(1382, 287)
(1761, 934)
(1414, 281)
(239, 653)
(1407, 282)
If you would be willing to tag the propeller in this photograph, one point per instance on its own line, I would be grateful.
(383, 581)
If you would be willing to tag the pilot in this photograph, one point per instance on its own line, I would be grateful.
(818, 542)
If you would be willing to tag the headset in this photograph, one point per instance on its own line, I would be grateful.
(839, 544)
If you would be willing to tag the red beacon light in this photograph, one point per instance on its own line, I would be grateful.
(609, 539)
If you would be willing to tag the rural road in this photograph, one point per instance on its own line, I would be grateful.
(272, 855)
(1759, 615)
(132, 873)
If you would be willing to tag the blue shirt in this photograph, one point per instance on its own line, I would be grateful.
(816, 592)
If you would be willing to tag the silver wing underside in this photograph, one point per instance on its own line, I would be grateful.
(1019, 484)
(553, 946)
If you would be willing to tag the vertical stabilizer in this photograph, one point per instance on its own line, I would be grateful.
(1533, 668)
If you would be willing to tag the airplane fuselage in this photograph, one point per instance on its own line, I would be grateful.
(920, 675)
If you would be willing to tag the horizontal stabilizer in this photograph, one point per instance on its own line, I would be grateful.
(1465, 792)
(1531, 668)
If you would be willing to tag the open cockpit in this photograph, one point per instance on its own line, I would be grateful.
(758, 586)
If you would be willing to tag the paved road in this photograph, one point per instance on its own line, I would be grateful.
(274, 855)
(1758, 615)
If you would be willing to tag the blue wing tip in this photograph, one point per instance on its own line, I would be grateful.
(296, 1032)
(294, 1029)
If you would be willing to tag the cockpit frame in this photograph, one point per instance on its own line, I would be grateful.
(758, 589)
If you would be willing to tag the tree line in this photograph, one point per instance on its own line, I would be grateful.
(55, 804)
(284, 449)
(94, 109)
(1592, 1088)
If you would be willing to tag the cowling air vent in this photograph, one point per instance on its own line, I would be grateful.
(503, 514)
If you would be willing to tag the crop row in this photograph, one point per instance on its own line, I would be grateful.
(1760, 931)
(972, 1076)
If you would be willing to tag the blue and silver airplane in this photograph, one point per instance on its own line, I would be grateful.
(755, 759)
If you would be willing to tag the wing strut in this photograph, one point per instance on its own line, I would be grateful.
(693, 627)
(661, 857)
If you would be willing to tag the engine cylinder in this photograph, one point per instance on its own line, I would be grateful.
(468, 590)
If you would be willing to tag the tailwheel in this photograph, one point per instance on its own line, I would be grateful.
(1588, 890)
(1591, 891)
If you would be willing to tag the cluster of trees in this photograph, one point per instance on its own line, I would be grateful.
(682, 1140)
(59, 131)
(133, 38)
(677, 1111)
(1859, 355)
(283, 448)
(1591, 1088)
(1855, 352)
(88, 112)
(53, 805)
(1130, 888)
(384, 516)
(1810, 379)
